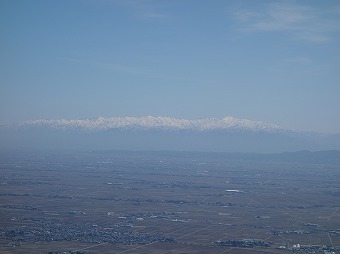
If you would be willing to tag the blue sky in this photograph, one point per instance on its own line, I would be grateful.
(274, 61)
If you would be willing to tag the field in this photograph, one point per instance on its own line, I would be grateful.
(168, 202)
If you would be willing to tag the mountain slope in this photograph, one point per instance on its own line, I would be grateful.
(162, 133)
(148, 122)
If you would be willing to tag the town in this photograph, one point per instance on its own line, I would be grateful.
(131, 202)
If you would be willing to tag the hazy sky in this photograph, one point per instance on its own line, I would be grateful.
(274, 61)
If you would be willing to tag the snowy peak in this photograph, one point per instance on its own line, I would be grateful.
(150, 122)
(228, 134)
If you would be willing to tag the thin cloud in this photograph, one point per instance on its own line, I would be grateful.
(145, 9)
(124, 69)
(301, 22)
(115, 67)
(299, 60)
(136, 70)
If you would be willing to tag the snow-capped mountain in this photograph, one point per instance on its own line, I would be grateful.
(228, 134)
(151, 122)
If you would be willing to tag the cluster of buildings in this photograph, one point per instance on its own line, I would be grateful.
(244, 243)
(310, 248)
(290, 232)
(41, 229)
(70, 252)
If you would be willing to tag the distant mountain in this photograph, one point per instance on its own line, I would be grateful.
(150, 122)
(228, 134)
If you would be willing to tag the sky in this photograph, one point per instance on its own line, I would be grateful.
(273, 61)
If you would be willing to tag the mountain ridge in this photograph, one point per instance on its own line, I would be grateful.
(228, 134)
(150, 122)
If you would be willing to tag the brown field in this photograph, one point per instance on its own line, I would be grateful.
(163, 202)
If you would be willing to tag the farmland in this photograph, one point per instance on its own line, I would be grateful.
(168, 202)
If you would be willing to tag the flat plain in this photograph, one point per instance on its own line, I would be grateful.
(169, 202)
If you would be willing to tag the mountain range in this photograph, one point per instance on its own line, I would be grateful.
(151, 122)
(228, 134)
